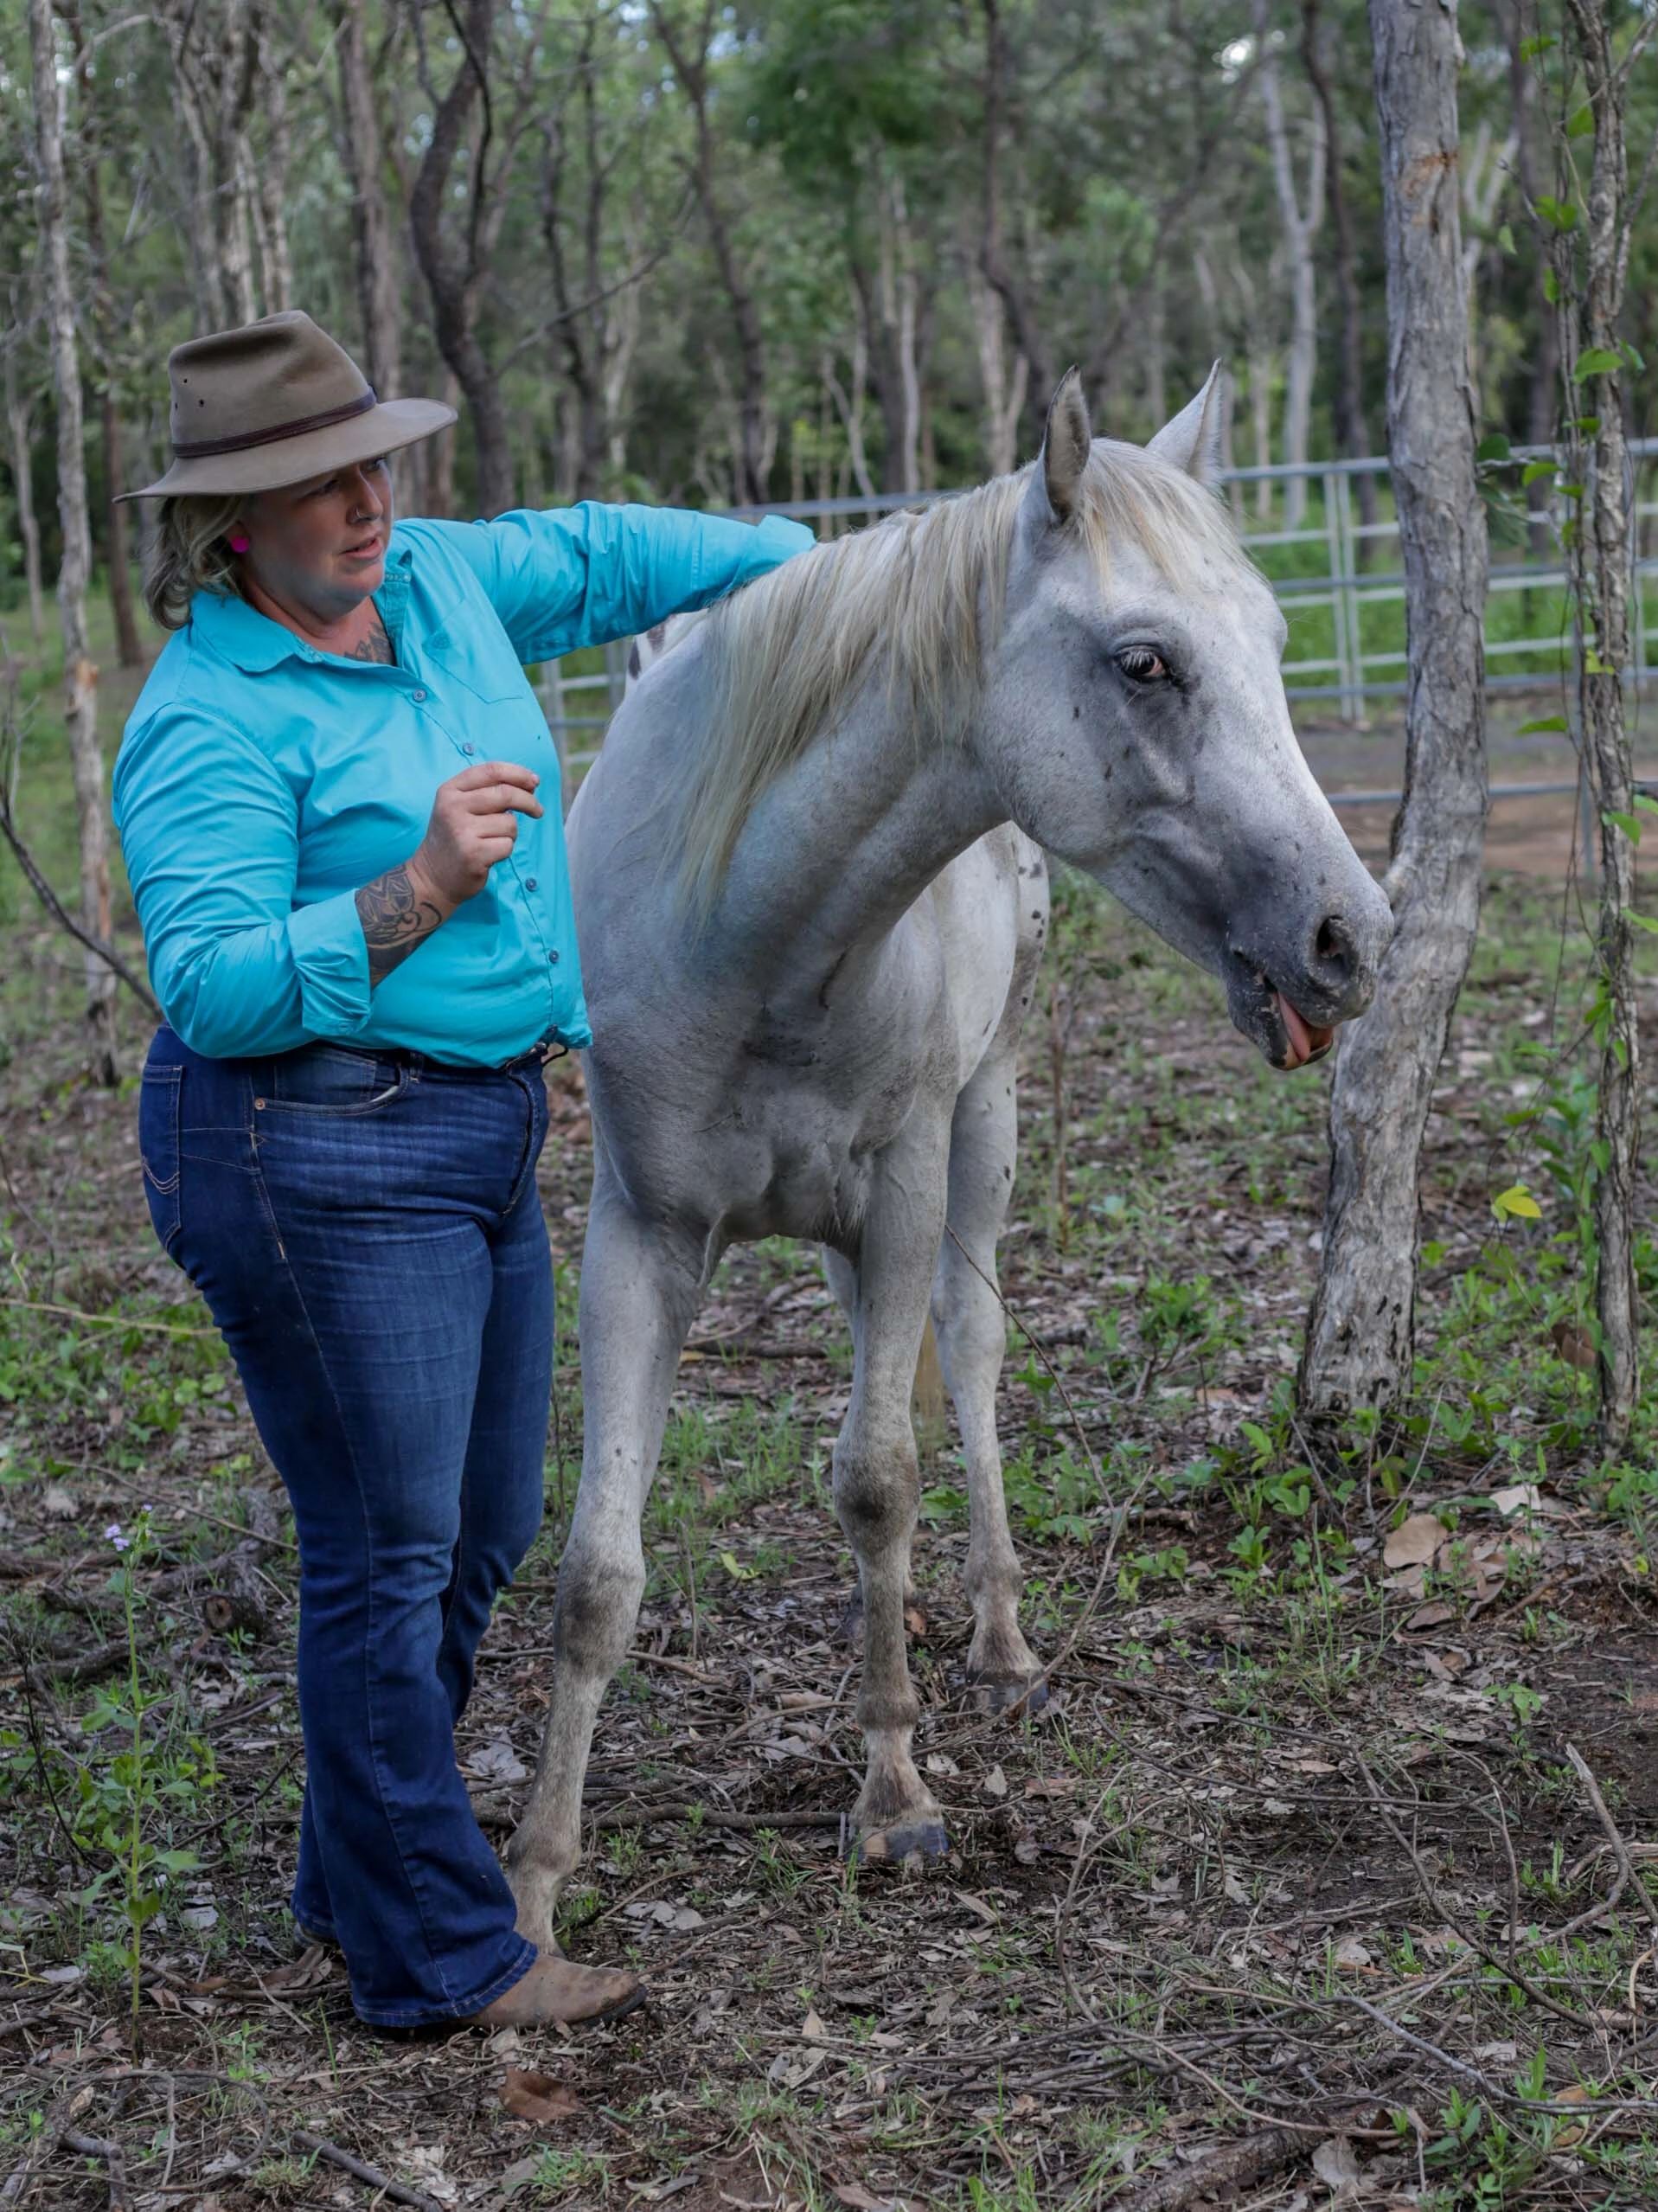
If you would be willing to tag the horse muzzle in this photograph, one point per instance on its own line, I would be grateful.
(1289, 999)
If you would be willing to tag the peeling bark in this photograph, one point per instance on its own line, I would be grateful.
(1360, 1331)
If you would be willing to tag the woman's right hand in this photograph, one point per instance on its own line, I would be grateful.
(474, 823)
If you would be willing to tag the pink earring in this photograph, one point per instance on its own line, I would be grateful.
(237, 543)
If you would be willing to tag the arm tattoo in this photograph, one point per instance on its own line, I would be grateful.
(395, 921)
(376, 646)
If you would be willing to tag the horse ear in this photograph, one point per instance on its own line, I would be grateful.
(1065, 447)
(1191, 441)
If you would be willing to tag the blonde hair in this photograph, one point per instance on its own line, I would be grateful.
(190, 554)
(925, 591)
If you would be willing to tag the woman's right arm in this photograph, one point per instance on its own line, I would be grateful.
(209, 828)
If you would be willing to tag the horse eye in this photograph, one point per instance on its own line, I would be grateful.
(1142, 665)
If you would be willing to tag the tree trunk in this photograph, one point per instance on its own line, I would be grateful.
(993, 254)
(1299, 228)
(888, 304)
(1484, 176)
(1156, 353)
(270, 200)
(1600, 551)
(215, 80)
(439, 452)
(1540, 405)
(1360, 1331)
(1004, 395)
(22, 484)
(128, 646)
(1352, 436)
(80, 676)
(585, 438)
(379, 303)
(755, 442)
(453, 277)
(850, 410)
(1208, 293)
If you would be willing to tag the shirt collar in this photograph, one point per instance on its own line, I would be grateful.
(253, 642)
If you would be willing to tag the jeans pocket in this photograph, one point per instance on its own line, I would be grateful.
(158, 1147)
(330, 1080)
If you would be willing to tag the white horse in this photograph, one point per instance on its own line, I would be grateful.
(811, 893)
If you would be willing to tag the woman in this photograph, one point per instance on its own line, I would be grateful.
(359, 927)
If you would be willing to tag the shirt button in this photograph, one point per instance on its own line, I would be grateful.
(529, 883)
(469, 748)
(553, 957)
(417, 696)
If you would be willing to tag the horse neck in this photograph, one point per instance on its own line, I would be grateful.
(840, 847)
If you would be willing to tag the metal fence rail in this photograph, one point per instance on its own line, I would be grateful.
(1341, 581)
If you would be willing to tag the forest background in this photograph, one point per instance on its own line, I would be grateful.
(798, 248)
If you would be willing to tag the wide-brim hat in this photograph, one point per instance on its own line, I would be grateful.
(274, 403)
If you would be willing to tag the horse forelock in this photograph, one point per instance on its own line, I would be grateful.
(918, 596)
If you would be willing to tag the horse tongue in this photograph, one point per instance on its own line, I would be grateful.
(1305, 1041)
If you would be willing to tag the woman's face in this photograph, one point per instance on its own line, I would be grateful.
(322, 545)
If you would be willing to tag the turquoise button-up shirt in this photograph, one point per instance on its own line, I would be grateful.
(260, 783)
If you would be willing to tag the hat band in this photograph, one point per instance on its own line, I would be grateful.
(202, 449)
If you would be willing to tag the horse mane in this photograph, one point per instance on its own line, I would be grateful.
(924, 591)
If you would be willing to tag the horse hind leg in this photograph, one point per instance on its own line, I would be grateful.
(1002, 1670)
(637, 1306)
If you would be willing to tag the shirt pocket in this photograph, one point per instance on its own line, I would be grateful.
(158, 1147)
(484, 665)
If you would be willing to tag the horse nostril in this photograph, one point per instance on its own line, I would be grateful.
(1334, 950)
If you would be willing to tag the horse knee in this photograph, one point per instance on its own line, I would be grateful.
(599, 1600)
(877, 1491)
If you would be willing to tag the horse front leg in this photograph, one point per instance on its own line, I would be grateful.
(1002, 1670)
(877, 1488)
(638, 1297)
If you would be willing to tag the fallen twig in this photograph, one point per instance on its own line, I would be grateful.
(98, 2146)
(75, 1672)
(1464, 1935)
(1222, 2174)
(1627, 1875)
(396, 2191)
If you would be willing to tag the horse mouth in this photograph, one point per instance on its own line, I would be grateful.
(1272, 1022)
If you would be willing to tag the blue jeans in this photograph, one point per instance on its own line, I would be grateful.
(368, 1235)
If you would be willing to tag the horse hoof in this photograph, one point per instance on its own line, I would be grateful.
(1018, 1696)
(905, 1839)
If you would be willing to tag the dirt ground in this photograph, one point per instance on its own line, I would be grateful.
(1535, 836)
(1292, 1896)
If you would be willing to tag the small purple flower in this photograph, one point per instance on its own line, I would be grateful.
(113, 1536)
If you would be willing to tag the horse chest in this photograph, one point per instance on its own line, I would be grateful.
(801, 1144)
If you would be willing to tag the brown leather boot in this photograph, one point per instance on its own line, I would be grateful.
(557, 1988)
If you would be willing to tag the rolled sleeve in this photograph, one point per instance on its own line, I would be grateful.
(331, 958)
(581, 575)
(209, 829)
